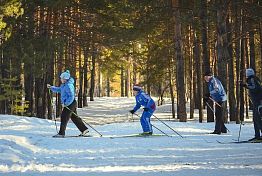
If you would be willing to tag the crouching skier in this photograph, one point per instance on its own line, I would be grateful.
(253, 85)
(143, 99)
(67, 91)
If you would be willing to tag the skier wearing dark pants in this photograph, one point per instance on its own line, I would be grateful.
(253, 85)
(218, 94)
(143, 99)
(67, 91)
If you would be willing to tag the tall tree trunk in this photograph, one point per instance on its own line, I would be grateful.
(93, 75)
(192, 97)
(222, 43)
(197, 59)
(85, 92)
(260, 43)
(128, 78)
(81, 77)
(252, 50)
(180, 67)
(242, 76)
(231, 82)
(237, 50)
(100, 82)
(122, 84)
(242, 64)
(205, 51)
(108, 88)
(171, 88)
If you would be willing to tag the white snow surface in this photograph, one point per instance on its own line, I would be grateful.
(27, 146)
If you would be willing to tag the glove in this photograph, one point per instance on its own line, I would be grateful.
(146, 109)
(206, 97)
(48, 86)
(132, 111)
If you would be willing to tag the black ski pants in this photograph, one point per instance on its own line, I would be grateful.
(67, 114)
(219, 115)
(257, 121)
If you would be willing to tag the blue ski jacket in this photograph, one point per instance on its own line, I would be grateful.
(67, 91)
(143, 99)
(216, 90)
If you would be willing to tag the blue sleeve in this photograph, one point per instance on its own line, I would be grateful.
(138, 105)
(70, 95)
(55, 89)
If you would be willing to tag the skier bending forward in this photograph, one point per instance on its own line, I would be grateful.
(67, 91)
(143, 99)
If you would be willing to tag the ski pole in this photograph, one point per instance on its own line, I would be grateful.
(215, 113)
(52, 104)
(155, 127)
(160, 130)
(214, 101)
(84, 121)
(167, 126)
(240, 127)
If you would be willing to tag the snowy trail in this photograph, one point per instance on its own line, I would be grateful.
(27, 148)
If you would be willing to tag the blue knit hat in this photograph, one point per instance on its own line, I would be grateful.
(65, 75)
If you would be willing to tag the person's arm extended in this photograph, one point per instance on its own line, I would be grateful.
(55, 89)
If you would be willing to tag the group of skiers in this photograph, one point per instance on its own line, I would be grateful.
(216, 93)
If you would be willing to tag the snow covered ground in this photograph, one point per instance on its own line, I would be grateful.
(27, 147)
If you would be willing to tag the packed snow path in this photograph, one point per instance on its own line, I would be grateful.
(27, 148)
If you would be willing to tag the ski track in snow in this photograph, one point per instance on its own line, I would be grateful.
(27, 147)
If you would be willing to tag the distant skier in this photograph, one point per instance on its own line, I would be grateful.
(218, 94)
(143, 99)
(253, 84)
(67, 91)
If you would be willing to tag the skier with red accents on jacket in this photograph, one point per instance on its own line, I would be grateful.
(143, 99)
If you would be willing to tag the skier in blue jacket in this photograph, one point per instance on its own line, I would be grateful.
(143, 99)
(67, 91)
(218, 94)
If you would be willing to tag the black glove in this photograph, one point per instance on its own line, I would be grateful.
(206, 97)
(132, 111)
(146, 109)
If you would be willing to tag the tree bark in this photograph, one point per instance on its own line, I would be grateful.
(85, 91)
(122, 84)
(108, 89)
(128, 78)
(237, 59)
(231, 82)
(222, 43)
(93, 75)
(252, 50)
(180, 67)
(197, 59)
